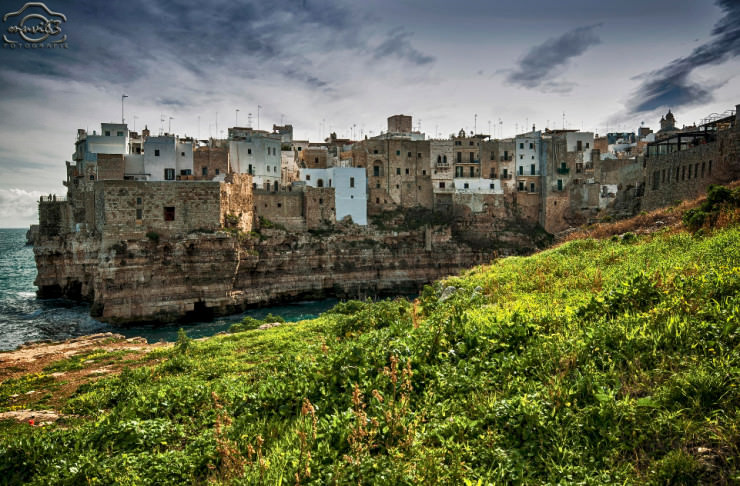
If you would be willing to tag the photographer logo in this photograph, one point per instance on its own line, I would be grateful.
(34, 26)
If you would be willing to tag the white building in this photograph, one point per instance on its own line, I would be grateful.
(477, 186)
(257, 153)
(527, 149)
(581, 142)
(350, 189)
(113, 139)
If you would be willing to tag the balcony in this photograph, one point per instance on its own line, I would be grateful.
(563, 170)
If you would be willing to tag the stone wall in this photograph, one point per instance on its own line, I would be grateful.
(111, 167)
(166, 208)
(283, 208)
(215, 161)
(688, 173)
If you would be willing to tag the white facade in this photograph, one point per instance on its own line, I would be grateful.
(258, 155)
(160, 161)
(527, 149)
(350, 189)
(113, 139)
(477, 186)
(184, 157)
(581, 142)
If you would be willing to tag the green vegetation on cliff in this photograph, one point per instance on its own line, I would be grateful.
(597, 362)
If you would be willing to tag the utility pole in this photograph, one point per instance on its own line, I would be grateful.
(123, 120)
(236, 118)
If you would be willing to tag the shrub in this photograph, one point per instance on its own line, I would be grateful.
(153, 236)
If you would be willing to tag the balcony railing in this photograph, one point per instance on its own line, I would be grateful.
(563, 170)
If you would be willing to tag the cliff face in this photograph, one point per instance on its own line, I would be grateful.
(206, 274)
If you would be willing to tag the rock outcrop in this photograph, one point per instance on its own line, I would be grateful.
(201, 275)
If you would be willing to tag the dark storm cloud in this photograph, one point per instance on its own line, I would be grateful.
(115, 42)
(399, 46)
(543, 60)
(670, 85)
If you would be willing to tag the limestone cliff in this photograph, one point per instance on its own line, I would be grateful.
(205, 274)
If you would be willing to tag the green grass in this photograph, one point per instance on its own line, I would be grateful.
(597, 362)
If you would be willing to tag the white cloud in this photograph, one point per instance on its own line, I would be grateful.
(18, 208)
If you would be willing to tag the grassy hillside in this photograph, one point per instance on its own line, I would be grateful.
(609, 361)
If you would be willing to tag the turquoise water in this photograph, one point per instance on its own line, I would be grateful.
(24, 318)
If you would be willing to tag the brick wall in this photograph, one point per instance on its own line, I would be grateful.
(110, 166)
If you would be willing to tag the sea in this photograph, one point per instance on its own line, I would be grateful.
(24, 318)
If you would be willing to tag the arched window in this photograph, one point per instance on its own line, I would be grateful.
(320, 183)
(444, 159)
(439, 159)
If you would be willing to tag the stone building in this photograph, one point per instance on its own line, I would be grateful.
(350, 190)
(684, 164)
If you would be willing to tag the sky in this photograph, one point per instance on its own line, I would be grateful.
(344, 66)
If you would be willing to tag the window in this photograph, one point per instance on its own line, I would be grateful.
(506, 155)
(444, 159)
(466, 186)
(579, 145)
(521, 170)
(268, 168)
(375, 151)
(472, 157)
(441, 185)
(321, 201)
(138, 150)
(377, 185)
(709, 169)
(139, 213)
(521, 145)
(250, 169)
(182, 154)
(521, 185)
(377, 200)
(120, 134)
(506, 173)
(531, 187)
(407, 172)
(329, 182)
(418, 156)
(320, 183)
(588, 144)
(351, 182)
(249, 150)
(107, 133)
(280, 205)
(424, 172)
(471, 142)
(299, 148)
(493, 156)
(169, 174)
(204, 171)
(218, 171)
(376, 171)
(531, 146)
(398, 152)
(532, 157)
(186, 172)
(531, 169)
(492, 185)
(138, 201)
(308, 177)
(560, 184)
(169, 213)
(459, 157)
(156, 152)
(409, 155)
(472, 172)
(521, 156)
(398, 171)
(316, 160)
